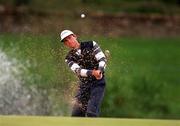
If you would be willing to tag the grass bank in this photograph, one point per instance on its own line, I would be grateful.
(142, 73)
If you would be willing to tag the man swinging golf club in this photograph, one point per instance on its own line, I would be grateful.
(88, 62)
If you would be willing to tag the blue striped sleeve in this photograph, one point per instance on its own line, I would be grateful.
(100, 57)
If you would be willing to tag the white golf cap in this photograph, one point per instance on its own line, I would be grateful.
(65, 33)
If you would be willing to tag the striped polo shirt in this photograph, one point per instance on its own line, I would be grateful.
(86, 58)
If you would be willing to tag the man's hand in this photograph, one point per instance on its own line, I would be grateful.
(97, 74)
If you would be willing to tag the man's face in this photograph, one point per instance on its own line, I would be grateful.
(71, 41)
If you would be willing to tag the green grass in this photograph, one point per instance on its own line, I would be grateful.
(142, 73)
(43, 53)
(67, 121)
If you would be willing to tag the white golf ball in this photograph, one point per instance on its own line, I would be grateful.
(83, 15)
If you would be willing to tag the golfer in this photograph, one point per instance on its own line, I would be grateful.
(88, 62)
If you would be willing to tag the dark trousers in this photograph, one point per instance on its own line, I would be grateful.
(89, 98)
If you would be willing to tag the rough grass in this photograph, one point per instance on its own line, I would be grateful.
(142, 73)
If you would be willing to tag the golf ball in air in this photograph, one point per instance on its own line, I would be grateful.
(83, 15)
